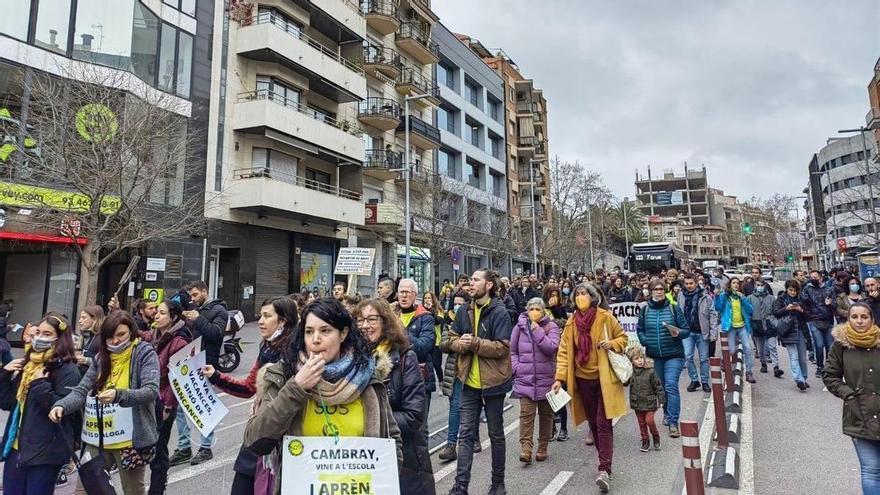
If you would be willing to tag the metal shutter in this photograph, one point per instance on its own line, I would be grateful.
(273, 261)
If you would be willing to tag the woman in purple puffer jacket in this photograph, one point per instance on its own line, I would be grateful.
(533, 346)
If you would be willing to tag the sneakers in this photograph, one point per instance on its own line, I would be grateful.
(563, 436)
(646, 445)
(603, 481)
(665, 421)
(777, 372)
(657, 442)
(750, 378)
(180, 457)
(525, 456)
(673, 431)
(456, 490)
(802, 386)
(497, 489)
(707, 388)
(202, 456)
(448, 452)
(693, 386)
(763, 367)
(588, 436)
(819, 372)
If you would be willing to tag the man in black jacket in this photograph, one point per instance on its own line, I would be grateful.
(523, 295)
(207, 321)
(820, 304)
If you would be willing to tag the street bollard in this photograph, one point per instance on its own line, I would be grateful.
(718, 400)
(725, 361)
(693, 461)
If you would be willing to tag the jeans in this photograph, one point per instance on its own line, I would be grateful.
(669, 371)
(698, 343)
(797, 358)
(472, 400)
(868, 452)
(590, 393)
(183, 432)
(767, 350)
(822, 341)
(742, 334)
(28, 480)
(160, 464)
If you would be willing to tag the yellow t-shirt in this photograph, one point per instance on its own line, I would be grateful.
(406, 318)
(473, 378)
(346, 420)
(736, 313)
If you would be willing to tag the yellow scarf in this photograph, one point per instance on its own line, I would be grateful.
(30, 370)
(383, 347)
(866, 339)
(120, 369)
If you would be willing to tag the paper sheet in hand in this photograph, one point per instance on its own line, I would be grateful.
(187, 351)
(195, 394)
(558, 400)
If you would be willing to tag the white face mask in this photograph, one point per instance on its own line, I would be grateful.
(277, 333)
(116, 349)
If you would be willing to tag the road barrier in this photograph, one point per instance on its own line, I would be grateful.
(725, 361)
(718, 401)
(693, 460)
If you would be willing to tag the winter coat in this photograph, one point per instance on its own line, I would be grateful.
(510, 304)
(849, 374)
(762, 307)
(40, 441)
(619, 295)
(875, 306)
(491, 346)
(798, 328)
(406, 394)
(725, 308)
(613, 396)
(654, 336)
(140, 396)
(645, 390)
(521, 299)
(533, 357)
(210, 325)
(165, 348)
(280, 412)
(843, 304)
(449, 375)
(706, 315)
(819, 313)
(422, 337)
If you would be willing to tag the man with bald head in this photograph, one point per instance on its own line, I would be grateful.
(419, 324)
(872, 291)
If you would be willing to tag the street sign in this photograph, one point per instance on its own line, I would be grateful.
(841, 244)
(355, 261)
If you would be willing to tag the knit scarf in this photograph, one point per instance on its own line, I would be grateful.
(584, 323)
(35, 364)
(865, 340)
(343, 380)
(690, 305)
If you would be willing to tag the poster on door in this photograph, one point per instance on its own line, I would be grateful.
(195, 394)
(336, 466)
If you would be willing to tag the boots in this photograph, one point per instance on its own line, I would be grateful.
(448, 452)
(525, 456)
(763, 367)
(541, 455)
(777, 372)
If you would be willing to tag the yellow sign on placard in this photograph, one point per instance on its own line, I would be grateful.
(43, 197)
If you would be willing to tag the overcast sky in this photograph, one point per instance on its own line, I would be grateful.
(750, 88)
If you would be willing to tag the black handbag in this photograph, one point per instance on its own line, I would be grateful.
(92, 474)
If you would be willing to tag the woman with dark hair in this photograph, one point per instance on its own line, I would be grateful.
(553, 301)
(125, 372)
(433, 306)
(847, 298)
(849, 375)
(171, 335)
(327, 364)
(278, 320)
(28, 388)
(619, 292)
(791, 330)
(567, 291)
(406, 390)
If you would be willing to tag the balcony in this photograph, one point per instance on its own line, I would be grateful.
(474, 181)
(538, 119)
(268, 39)
(412, 82)
(258, 110)
(525, 212)
(381, 113)
(422, 180)
(382, 15)
(524, 108)
(382, 164)
(421, 134)
(525, 145)
(383, 60)
(385, 217)
(411, 39)
(872, 119)
(540, 150)
(344, 14)
(266, 191)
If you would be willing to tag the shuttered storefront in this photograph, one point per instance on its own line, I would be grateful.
(273, 264)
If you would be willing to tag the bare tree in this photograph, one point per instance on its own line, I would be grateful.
(113, 164)
(774, 228)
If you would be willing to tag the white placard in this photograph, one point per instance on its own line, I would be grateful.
(355, 261)
(558, 400)
(627, 314)
(151, 276)
(155, 264)
(118, 424)
(195, 394)
(187, 351)
(321, 466)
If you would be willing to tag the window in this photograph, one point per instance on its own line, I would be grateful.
(315, 179)
(474, 175)
(446, 164)
(144, 40)
(320, 114)
(167, 56)
(186, 6)
(497, 152)
(473, 94)
(53, 25)
(495, 110)
(281, 165)
(184, 64)
(446, 75)
(278, 92)
(16, 18)
(497, 185)
(99, 37)
(474, 132)
(446, 120)
(281, 21)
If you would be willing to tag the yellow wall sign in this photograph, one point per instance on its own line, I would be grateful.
(44, 197)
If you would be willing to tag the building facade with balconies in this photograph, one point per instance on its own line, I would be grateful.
(285, 190)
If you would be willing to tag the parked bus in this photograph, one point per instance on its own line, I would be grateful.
(654, 257)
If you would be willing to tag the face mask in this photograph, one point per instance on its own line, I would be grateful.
(582, 302)
(702, 285)
(566, 291)
(760, 290)
(455, 308)
(854, 288)
(277, 333)
(646, 292)
(535, 315)
(41, 344)
(116, 349)
(815, 283)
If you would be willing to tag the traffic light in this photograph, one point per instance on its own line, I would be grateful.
(747, 228)
(789, 258)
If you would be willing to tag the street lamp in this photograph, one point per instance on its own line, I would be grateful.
(625, 232)
(534, 216)
(407, 168)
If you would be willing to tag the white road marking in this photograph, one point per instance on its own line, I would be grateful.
(233, 425)
(446, 471)
(558, 482)
(746, 445)
(242, 403)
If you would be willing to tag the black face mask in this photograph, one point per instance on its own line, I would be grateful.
(815, 283)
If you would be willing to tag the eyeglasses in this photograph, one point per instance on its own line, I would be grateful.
(661, 289)
(372, 320)
(405, 292)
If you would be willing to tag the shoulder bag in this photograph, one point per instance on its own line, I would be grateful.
(619, 363)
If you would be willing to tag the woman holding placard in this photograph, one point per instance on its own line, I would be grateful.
(28, 388)
(123, 380)
(327, 384)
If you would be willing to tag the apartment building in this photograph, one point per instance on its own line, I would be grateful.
(149, 49)
(872, 118)
(726, 211)
(668, 195)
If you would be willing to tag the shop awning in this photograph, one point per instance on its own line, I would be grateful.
(56, 239)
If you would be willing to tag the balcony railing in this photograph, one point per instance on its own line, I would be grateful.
(419, 126)
(526, 141)
(272, 18)
(414, 31)
(474, 181)
(873, 115)
(379, 107)
(413, 77)
(383, 159)
(295, 105)
(383, 7)
(382, 55)
(296, 180)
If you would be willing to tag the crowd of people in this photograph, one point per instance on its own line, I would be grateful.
(357, 366)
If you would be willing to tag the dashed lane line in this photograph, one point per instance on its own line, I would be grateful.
(557, 483)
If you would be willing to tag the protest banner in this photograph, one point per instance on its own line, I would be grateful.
(187, 351)
(353, 465)
(118, 424)
(627, 313)
(195, 394)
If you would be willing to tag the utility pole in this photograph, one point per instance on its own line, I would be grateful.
(625, 233)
